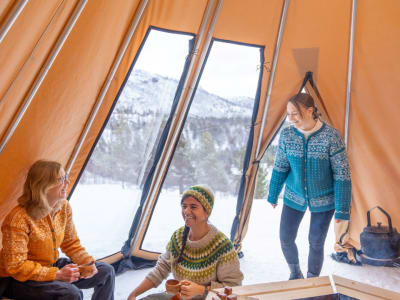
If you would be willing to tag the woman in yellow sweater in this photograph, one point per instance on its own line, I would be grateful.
(32, 233)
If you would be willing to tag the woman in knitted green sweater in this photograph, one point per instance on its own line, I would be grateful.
(198, 254)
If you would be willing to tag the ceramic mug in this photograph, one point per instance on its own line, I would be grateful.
(172, 286)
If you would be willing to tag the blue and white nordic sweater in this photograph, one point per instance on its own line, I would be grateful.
(316, 172)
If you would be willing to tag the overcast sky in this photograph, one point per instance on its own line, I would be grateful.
(231, 70)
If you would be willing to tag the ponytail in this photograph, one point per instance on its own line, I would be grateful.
(184, 240)
(316, 114)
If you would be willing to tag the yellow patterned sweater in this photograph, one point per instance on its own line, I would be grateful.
(209, 261)
(30, 246)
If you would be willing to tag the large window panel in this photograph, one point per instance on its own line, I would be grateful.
(213, 142)
(108, 193)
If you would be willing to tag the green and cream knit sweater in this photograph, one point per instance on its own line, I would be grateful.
(209, 261)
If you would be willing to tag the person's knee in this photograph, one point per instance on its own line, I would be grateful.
(287, 239)
(288, 234)
(106, 270)
(286, 243)
(71, 292)
(316, 243)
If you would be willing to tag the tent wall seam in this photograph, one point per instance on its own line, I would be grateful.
(30, 56)
(106, 86)
(11, 18)
(42, 74)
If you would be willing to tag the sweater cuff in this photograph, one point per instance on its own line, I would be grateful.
(216, 285)
(154, 279)
(272, 200)
(82, 259)
(51, 274)
(342, 216)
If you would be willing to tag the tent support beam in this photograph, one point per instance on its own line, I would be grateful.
(9, 22)
(162, 164)
(244, 215)
(106, 86)
(350, 69)
(43, 72)
(272, 75)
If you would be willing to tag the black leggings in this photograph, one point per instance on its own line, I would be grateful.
(319, 225)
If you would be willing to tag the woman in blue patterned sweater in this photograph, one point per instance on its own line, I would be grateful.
(312, 162)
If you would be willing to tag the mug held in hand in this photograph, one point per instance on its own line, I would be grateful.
(172, 286)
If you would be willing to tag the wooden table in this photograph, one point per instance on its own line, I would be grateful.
(310, 287)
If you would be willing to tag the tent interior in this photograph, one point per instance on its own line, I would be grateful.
(139, 99)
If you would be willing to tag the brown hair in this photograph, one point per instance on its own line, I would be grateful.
(306, 101)
(41, 175)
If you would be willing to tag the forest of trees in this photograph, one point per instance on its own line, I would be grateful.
(210, 150)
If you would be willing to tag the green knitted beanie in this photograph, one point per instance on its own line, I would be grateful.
(202, 194)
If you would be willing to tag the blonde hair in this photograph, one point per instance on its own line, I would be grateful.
(41, 175)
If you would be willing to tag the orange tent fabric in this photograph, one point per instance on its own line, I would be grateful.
(315, 38)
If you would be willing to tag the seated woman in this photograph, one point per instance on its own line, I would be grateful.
(32, 233)
(198, 254)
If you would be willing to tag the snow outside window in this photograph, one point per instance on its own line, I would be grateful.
(108, 194)
(213, 142)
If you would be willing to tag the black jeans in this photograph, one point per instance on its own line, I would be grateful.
(319, 225)
(103, 283)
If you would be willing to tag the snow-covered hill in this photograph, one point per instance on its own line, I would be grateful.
(147, 92)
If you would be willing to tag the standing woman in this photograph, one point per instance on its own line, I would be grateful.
(198, 255)
(32, 233)
(312, 161)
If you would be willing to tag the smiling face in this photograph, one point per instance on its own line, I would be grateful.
(299, 119)
(193, 212)
(58, 191)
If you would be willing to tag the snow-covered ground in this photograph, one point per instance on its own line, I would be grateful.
(103, 215)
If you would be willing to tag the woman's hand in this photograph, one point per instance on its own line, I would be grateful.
(338, 220)
(274, 205)
(190, 289)
(144, 286)
(132, 296)
(69, 273)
